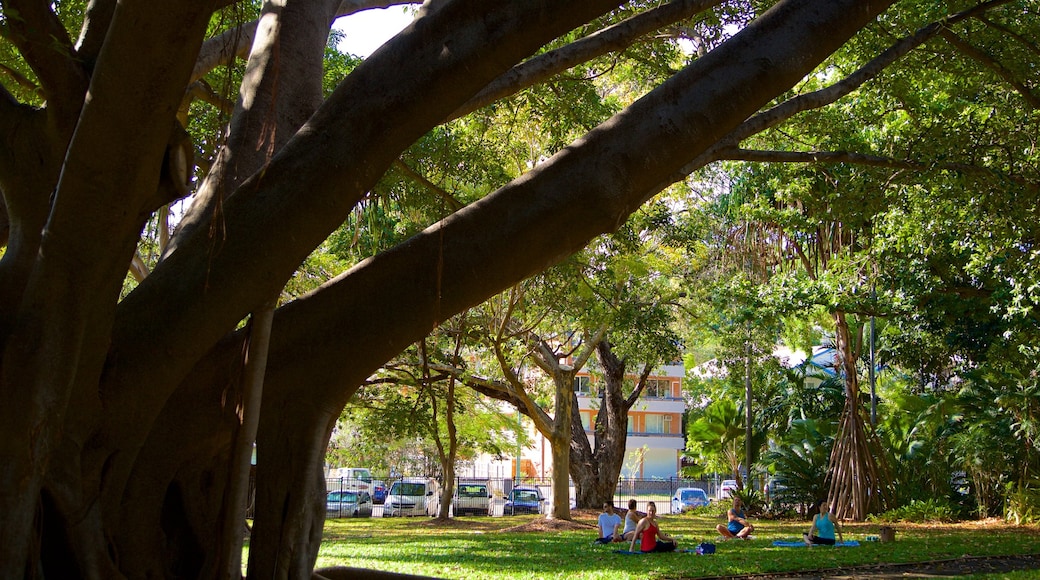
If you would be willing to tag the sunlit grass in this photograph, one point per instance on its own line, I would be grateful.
(477, 548)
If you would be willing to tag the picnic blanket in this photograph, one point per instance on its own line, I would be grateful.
(629, 552)
(801, 544)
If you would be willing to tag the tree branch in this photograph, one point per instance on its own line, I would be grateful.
(771, 156)
(1032, 101)
(406, 169)
(818, 99)
(613, 38)
(225, 47)
(640, 385)
(96, 21)
(44, 43)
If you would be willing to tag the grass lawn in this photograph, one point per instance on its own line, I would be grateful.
(486, 548)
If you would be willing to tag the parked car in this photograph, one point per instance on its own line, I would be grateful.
(469, 498)
(687, 498)
(473, 498)
(348, 504)
(728, 485)
(378, 492)
(524, 500)
(356, 478)
(408, 497)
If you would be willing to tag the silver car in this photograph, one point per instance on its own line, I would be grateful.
(348, 503)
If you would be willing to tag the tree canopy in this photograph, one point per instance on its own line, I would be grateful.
(119, 405)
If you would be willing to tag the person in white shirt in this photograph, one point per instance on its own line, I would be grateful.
(609, 525)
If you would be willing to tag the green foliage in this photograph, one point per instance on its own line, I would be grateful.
(1023, 505)
(714, 436)
(752, 500)
(799, 464)
(918, 511)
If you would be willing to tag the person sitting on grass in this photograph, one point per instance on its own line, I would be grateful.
(823, 525)
(609, 525)
(653, 539)
(738, 526)
(632, 517)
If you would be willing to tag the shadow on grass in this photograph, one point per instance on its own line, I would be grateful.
(477, 548)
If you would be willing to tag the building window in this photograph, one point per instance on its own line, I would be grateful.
(668, 424)
(658, 389)
(583, 385)
(654, 423)
(631, 424)
(586, 420)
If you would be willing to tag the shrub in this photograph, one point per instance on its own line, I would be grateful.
(1023, 504)
(930, 510)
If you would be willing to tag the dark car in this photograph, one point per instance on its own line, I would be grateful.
(524, 500)
(378, 493)
(348, 504)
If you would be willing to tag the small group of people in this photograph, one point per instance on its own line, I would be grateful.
(646, 530)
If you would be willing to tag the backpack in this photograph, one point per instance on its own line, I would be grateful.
(706, 548)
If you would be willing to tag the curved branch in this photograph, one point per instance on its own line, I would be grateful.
(587, 189)
(45, 44)
(1032, 101)
(613, 38)
(826, 96)
(764, 156)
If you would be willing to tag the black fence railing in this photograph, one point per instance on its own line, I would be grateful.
(362, 498)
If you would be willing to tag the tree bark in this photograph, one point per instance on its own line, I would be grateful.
(129, 483)
(859, 478)
(595, 471)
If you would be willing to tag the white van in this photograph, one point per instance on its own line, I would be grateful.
(408, 497)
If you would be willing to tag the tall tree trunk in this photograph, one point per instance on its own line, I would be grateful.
(595, 471)
(560, 442)
(859, 483)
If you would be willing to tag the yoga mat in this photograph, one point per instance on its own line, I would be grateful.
(801, 544)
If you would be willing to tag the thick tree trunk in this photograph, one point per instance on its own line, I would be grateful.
(595, 472)
(141, 462)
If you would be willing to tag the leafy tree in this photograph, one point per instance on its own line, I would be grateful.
(799, 463)
(119, 412)
(717, 435)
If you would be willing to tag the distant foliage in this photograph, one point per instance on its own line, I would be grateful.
(1023, 504)
(752, 500)
(930, 510)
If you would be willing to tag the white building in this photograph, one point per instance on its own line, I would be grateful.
(655, 438)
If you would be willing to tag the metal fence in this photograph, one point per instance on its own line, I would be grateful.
(643, 491)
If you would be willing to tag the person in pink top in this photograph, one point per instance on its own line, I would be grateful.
(653, 539)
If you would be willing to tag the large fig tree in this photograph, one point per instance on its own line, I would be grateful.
(118, 414)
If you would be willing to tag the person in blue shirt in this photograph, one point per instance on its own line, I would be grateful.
(737, 526)
(823, 527)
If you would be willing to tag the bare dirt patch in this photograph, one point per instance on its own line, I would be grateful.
(543, 525)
